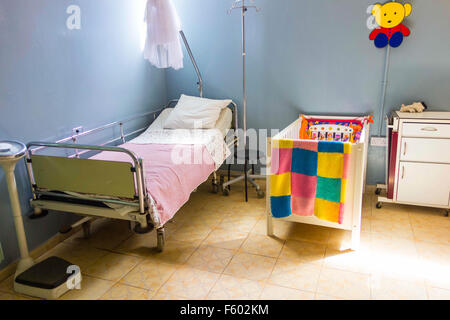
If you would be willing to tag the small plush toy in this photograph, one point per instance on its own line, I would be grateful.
(389, 18)
(416, 107)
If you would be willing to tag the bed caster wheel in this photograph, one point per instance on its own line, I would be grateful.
(38, 213)
(378, 191)
(160, 240)
(261, 194)
(379, 205)
(139, 230)
(226, 192)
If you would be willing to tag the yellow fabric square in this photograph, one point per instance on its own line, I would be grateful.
(330, 165)
(280, 185)
(327, 210)
(343, 189)
(347, 148)
(283, 144)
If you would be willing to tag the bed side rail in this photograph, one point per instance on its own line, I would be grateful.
(103, 178)
(77, 135)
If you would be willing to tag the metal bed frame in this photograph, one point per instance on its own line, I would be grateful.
(47, 183)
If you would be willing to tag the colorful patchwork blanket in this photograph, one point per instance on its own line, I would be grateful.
(309, 178)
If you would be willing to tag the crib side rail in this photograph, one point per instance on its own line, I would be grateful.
(292, 131)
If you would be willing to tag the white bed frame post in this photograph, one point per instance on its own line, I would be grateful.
(360, 171)
(268, 172)
(358, 188)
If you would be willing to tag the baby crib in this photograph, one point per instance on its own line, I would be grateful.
(333, 131)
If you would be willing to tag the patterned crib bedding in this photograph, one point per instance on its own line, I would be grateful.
(309, 178)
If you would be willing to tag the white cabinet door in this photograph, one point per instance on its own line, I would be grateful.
(425, 150)
(424, 183)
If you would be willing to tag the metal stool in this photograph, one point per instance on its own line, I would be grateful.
(250, 157)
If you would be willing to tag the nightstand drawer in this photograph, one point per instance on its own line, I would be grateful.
(426, 130)
(425, 150)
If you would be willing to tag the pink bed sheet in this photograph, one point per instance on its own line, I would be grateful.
(169, 183)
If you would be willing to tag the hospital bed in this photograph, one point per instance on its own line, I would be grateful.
(120, 182)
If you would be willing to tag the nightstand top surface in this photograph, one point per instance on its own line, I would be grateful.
(431, 115)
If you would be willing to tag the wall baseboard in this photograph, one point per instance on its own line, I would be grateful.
(10, 269)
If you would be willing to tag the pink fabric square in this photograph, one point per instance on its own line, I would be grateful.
(303, 185)
(281, 160)
(302, 206)
(310, 145)
(346, 169)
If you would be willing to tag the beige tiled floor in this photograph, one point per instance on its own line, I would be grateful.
(217, 248)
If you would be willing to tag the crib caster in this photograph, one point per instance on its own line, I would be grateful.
(379, 205)
(261, 194)
(446, 213)
(226, 192)
(160, 239)
(378, 191)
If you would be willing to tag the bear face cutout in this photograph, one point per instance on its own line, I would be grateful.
(391, 14)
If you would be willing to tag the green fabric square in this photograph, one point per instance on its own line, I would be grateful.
(329, 189)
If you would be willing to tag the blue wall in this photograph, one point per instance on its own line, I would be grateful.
(53, 79)
(314, 56)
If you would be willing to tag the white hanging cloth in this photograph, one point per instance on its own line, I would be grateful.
(163, 46)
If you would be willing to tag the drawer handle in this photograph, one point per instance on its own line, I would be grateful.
(430, 129)
(404, 148)
(403, 172)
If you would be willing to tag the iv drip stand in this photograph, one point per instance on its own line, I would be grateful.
(240, 4)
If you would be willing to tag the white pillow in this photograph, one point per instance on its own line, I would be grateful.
(195, 113)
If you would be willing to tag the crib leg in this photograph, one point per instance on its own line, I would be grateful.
(356, 239)
(268, 170)
(269, 226)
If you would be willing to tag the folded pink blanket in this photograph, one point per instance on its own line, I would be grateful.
(169, 183)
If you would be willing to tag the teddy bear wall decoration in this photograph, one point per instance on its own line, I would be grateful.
(389, 18)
